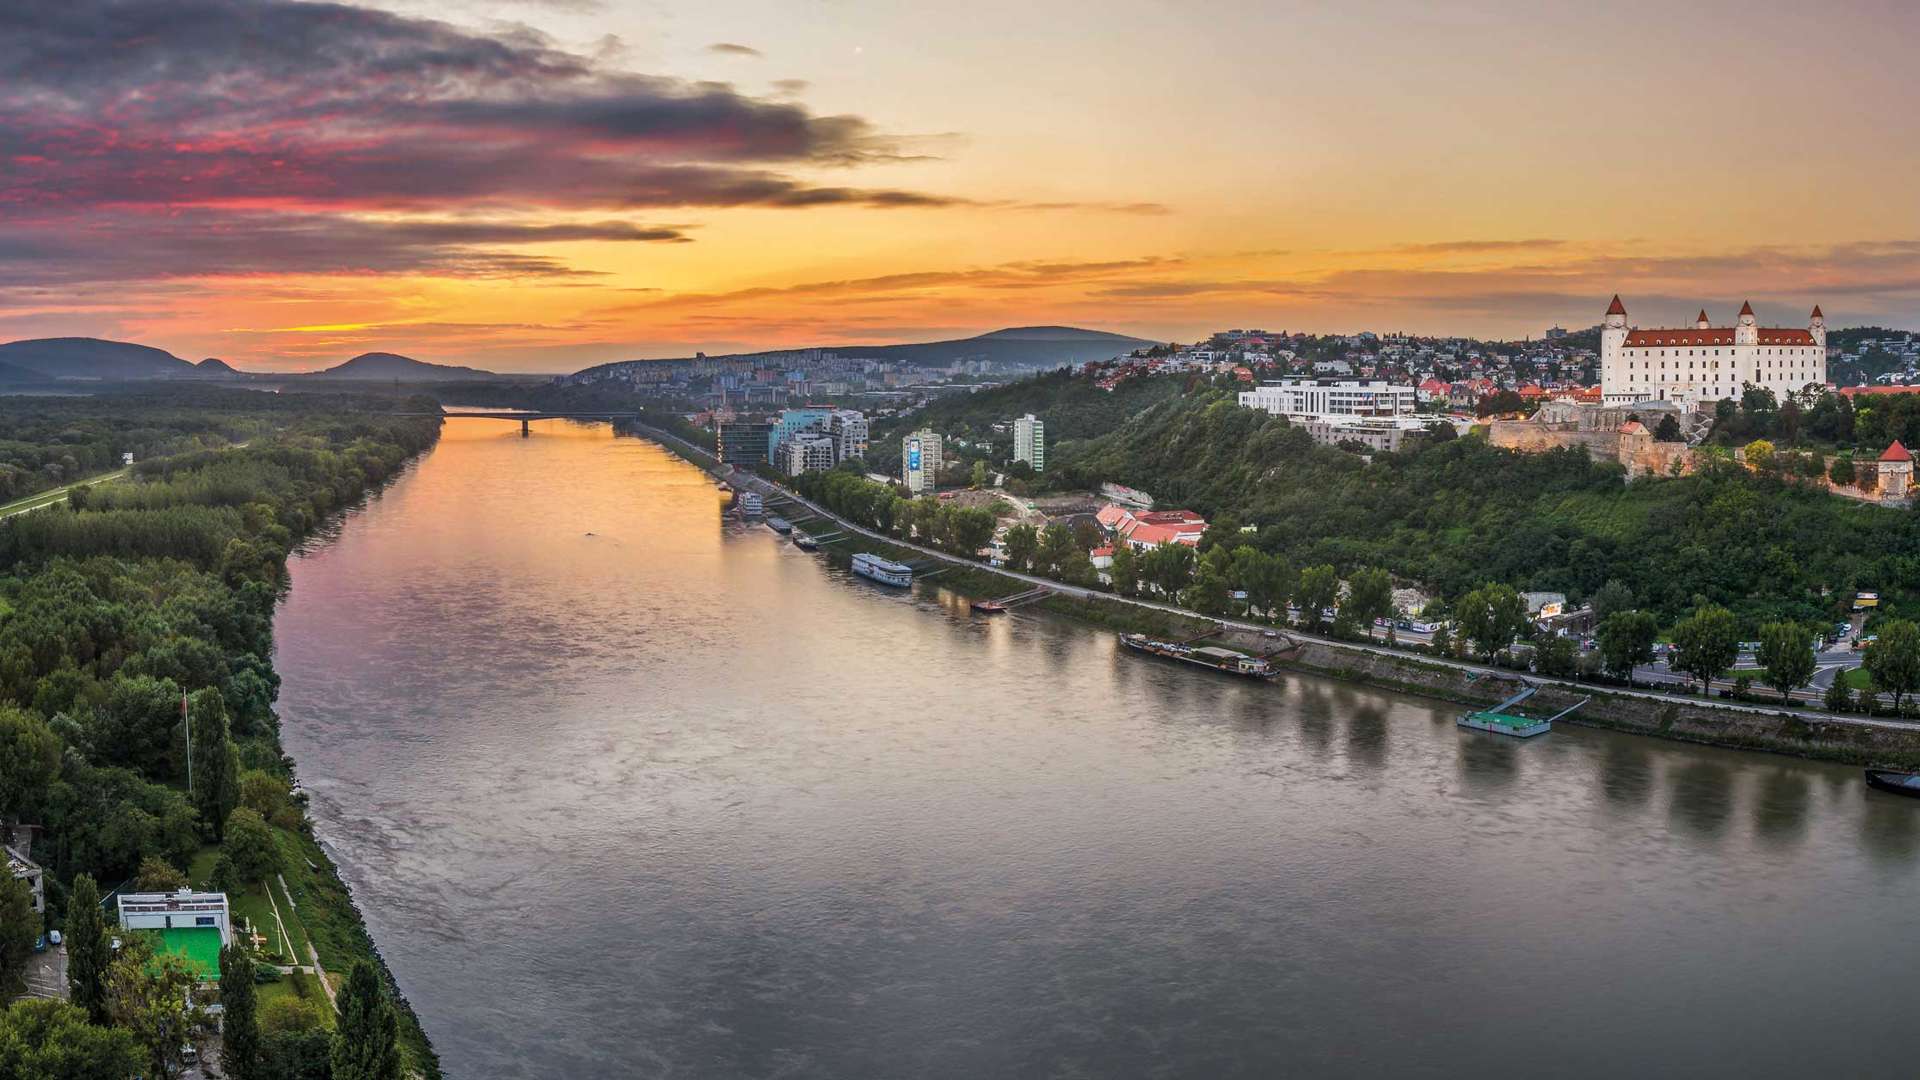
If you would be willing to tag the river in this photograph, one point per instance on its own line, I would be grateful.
(627, 789)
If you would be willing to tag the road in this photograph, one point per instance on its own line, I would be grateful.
(769, 490)
(48, 498)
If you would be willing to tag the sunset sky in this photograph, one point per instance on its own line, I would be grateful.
(545, 184)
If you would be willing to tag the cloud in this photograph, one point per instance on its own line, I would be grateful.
(120, 244)
(728, 48)
(1473, 247)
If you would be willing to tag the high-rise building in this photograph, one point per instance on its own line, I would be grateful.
(1030, 442)
(849, 430)
(806, 452)
(1704, 362)
(792, 422)
(920, 461)
(743, 442)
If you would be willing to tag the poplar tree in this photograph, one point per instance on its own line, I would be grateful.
(216, 781)
(240, 1056)
(89, 951)
(366, 1038)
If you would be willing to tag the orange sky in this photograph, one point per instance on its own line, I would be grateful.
(546, 185)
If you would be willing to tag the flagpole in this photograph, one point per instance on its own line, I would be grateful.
(187, 720)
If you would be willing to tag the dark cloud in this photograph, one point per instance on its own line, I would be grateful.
(728, 48)
(285, 127)
(140, 245)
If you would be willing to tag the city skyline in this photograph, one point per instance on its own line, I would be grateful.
(540, 186)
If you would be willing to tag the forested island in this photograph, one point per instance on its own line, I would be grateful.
(138, 600)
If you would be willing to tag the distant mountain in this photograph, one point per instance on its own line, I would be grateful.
(10, 373)
(215, 368)
(389, 366)
(1014, 347)
(92, 358)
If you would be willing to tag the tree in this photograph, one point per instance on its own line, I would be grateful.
(1370, 597)
(366, 1037)
(1613, 596)
(1491, 617)
(1842, 471)
(89, 950)
(1169, 567)
(251, 846)
(1668, 430)
(29, 762)
(216, 784)
(1319, 587)
(1442, 641)
(158, 875)
(1056, 547)
(151, 996)
(1269, 580)
(1708, 642)
(1760, 454)
(299, 1055)
(1626, 641)
(1125, 571)
(1556, 657)
(44, 1039)
(19, 929)
(1836, 698)
(1208, 593)
(1786, 656)
(240, 1043)
(1894, 659)
(1021, 542)
(978, 477)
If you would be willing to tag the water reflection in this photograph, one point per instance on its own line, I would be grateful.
(680, 800)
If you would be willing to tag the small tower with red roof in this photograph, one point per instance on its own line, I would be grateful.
(1896, 471)
(1817, 326)
(1748, 332)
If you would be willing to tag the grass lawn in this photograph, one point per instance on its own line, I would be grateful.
(1857, 679)
(265, 992)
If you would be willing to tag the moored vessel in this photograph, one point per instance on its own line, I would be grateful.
(803, 541)
(1206, 656)
(883, 570)
(780, 525)
(1897, 783)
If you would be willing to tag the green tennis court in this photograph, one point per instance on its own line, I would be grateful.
(198, 945)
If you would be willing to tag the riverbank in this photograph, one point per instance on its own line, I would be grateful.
(1798, 732)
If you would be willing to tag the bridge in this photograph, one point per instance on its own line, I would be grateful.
(527, 418)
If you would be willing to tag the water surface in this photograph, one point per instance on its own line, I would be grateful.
(628, 790)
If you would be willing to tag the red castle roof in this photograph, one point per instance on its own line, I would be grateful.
(1816, 312)
(1616, 308)
(1896, 452)
(1746, 307)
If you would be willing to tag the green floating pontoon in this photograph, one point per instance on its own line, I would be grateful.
(1501, 720)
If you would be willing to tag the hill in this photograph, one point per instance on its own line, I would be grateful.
(92, 358)
(14, 374)
(1019, 347)
(384, 365)
(215, 368)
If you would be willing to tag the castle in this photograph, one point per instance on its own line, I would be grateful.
(1706, 363)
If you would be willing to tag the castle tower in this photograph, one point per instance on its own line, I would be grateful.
(1896, 471)
(1700, 321)
(1748, 332)
(1613, 337)
(1818, 327)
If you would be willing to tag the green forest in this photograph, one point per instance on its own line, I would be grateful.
(1453, 514)
(142, 599)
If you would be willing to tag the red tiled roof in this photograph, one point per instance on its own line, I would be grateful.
(1746, 307)
(1766, 335)
(1816, 312)
(1896, 452)
(1616, 308)
(1702, 317)
(1633, 427)
(1856, 391)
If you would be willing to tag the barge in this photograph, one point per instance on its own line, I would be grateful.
(749, 504)
(780, 525)
(883, 570)
(803, 541)
(1218, 659)
(1896, 783)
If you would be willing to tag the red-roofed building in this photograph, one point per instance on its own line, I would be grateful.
(1875, 391)
(1143, 529)
(1704, 363)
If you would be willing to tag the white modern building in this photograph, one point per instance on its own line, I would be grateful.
(849, 430)
(1320, 398)
(1704, 363)
(183, 910)
(920, 461)
(1030, 442)
(806, 453)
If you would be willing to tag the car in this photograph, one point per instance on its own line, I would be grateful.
(54, 937)
(1865, 640)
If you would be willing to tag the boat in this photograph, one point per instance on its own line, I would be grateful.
(883, 570)
(803, 541)
(780, 525)
(1499, 723)
(1207, 656)
(749, 504)
(989, 607)
(1898, 783)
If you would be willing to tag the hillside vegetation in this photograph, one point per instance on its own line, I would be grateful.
(1455, 514)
